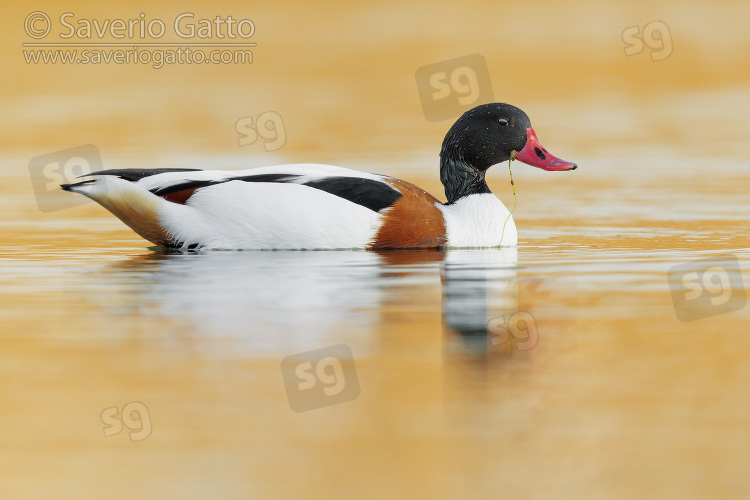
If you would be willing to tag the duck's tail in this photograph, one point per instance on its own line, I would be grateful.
(132, 204)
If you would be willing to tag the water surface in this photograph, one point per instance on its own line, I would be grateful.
(600, 382)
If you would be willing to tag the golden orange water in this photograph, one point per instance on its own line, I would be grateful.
(616, 398)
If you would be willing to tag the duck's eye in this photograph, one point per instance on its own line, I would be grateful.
(503, 122)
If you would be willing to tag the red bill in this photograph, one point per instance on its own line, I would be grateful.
(534, 154)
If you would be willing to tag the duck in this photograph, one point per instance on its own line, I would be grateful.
(325, 207)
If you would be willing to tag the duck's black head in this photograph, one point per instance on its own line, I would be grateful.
(484, 136)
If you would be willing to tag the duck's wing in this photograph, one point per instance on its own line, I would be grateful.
(368, 190)
(178, 185)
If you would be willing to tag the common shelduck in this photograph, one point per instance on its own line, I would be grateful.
(309, 206)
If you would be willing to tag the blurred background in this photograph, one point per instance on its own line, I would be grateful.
(343, 80)
(619, 399)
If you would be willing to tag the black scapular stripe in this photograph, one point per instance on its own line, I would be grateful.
(201, 184)
(163, 191)
(266, 178)
(136, 174)
(369, 193)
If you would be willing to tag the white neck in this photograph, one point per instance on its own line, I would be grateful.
(477, 221)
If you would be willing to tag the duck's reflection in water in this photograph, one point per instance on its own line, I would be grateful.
(479, 288)
(279, 300)
(299, 300)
